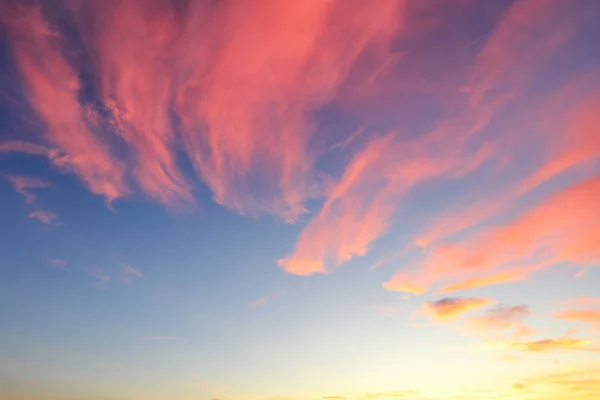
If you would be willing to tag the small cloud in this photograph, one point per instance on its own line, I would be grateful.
(101, 278)
(260, 302)
(24, 186)
(56, 262)
(129, 270)
(45, 217)
(450, 308)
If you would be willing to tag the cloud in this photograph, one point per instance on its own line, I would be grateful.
(45, 217)
(360, 205)
(129, 270)
(451, 308)
(578, 147)
(584, 315)
(260, 302)
(52, 87)
(577, 383)
(23, 185)
(257, 96)
(558, 230)
(485, 280)
(546, 345)
(553, 344)
(502, 319)
(56, 262)
(17, 146)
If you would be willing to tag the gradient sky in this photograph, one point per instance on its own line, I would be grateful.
(299, 200)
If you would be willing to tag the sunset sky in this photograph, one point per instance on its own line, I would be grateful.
(299, 199)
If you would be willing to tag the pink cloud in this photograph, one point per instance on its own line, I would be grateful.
(23, 185)
(560, 229)
(17, 146)
(584, 315)
(260, 302)
(246, 116)
(52, 87)
(502, 319)
(358, 207)
(44, 216)
(129, 270)
(134, 43)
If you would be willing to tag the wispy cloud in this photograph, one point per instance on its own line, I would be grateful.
(52, 86)
(555, 231)
(56, 262)
(45, 217)
(24, 186)
(554, 344)
(359, 206)
(129, 270)
(502, 320)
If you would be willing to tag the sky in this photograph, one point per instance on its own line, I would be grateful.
(299, 200)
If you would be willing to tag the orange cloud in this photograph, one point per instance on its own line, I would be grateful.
(485, 280)
(560, 229)
(52, 87)
(586, 315)
(452, 307)
(24, 184)
(548, 345)
(45, 217)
